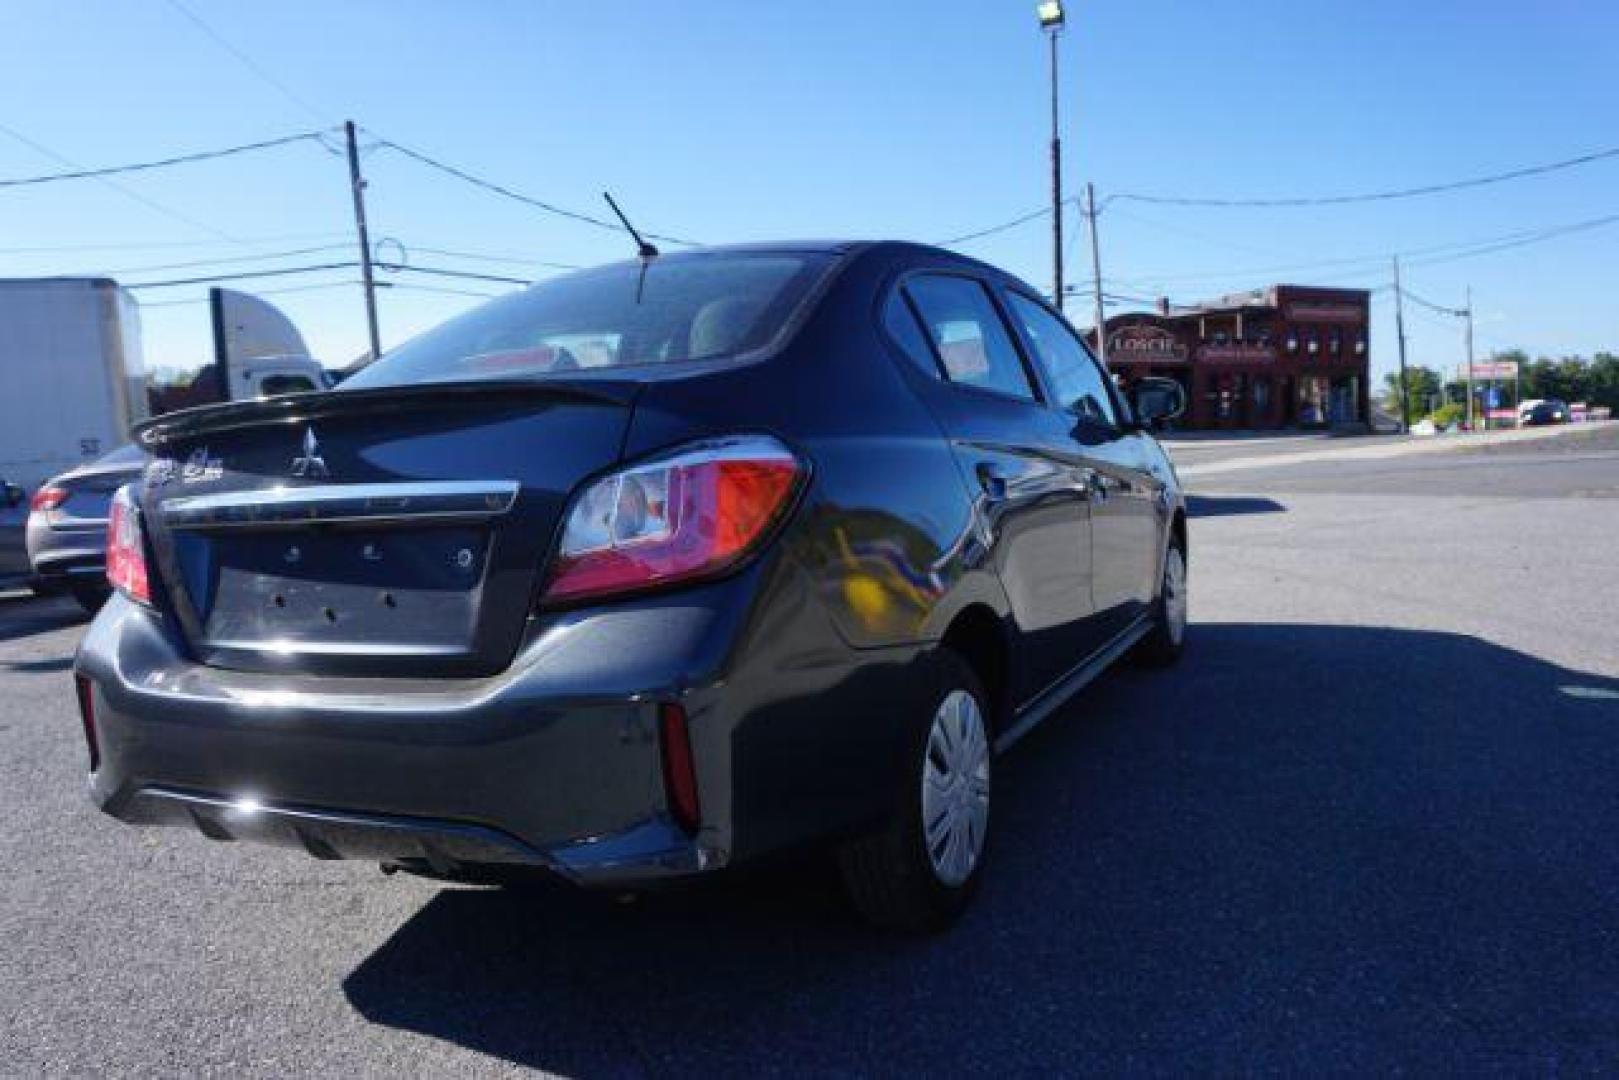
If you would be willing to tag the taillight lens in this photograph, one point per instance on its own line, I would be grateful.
(126, 548)
(689, 515)
(47, 498)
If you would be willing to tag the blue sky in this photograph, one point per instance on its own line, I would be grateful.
(726, 121)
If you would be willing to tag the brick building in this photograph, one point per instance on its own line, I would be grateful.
(1285, 356)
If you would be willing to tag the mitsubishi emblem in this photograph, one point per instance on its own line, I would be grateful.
(310, 464)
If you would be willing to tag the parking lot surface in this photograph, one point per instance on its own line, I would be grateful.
(1366, 824)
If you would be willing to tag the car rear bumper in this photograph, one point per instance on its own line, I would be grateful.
(66, 556)
(656, 849)
(527, 768)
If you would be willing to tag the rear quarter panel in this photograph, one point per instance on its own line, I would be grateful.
(807, 721)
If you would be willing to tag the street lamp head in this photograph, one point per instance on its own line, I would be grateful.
(1051, 14)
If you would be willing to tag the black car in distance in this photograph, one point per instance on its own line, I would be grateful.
(641, 573)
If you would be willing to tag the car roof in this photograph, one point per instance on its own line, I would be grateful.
(833, 247)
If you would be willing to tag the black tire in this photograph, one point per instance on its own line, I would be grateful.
(888, 873)
(1165, 643)
(91, 597)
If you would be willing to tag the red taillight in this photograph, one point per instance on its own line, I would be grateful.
(126, 549)
(690, 515)
(679, 770)
(47, 498)
(87, 717)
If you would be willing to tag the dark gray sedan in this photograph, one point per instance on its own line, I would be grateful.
(67, 526)
(641, 573)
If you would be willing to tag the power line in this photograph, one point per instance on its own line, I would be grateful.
(435, 271)
(1432, 255)
(1374, 196)
(81, 173)
(511, 260)
(248, 62)
(1022, 219)
(506, 192)
(467, 275)
(308, 287)
(156, 245)
(191, 263)
(1459, 313)
(1524, 239)
(242, 276)
(443, 289)
(101, 177)
(1326, 200)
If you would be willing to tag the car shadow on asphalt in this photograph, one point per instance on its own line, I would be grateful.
(1304, 846)
(24, 614)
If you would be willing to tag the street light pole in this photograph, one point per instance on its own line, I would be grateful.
(1051, 21)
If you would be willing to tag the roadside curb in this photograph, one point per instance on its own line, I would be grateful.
(1432, 445)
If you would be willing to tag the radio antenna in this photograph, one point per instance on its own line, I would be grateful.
(643, 249)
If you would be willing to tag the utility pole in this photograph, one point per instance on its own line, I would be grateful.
(1468, 312)
(1096, 273)
(1051, 21)
(1399, 326)
(357, 185)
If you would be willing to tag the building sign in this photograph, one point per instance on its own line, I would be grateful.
(1322, 311)
(1144, 343)
(1494, 369)
(1237, 353)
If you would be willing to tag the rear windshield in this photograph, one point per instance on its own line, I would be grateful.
(684, 307)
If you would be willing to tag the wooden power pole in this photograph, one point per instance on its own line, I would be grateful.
(357, 184)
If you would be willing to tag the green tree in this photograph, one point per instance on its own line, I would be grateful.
(1603, 376)
(1540, 379)
(1421, 383)
(1574, 376)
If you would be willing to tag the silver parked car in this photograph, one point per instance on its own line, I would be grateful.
(67, 526)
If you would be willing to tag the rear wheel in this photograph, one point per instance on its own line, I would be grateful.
(919, 870)
(1167, 640)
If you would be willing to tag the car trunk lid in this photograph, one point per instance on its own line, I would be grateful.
(376, 532)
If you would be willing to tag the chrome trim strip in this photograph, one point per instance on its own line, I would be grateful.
(411, 501)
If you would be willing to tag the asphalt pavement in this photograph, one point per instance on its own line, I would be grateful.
(1367, 824)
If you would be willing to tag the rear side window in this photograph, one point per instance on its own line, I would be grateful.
(692, 306)
(901, 326)
(968, 334)
(285, 384)
(1075, 377)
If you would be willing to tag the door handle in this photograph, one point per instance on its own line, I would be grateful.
(992, 478)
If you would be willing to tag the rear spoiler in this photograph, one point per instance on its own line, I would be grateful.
(294, 408)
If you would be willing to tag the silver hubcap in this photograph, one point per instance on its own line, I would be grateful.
(1175, 595)
(955, 788)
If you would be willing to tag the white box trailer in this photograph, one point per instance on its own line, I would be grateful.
(72, 380)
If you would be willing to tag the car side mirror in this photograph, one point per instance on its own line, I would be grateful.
(1157, 401)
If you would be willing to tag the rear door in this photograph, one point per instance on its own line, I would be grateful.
(1125, 495)
(1018, 460)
